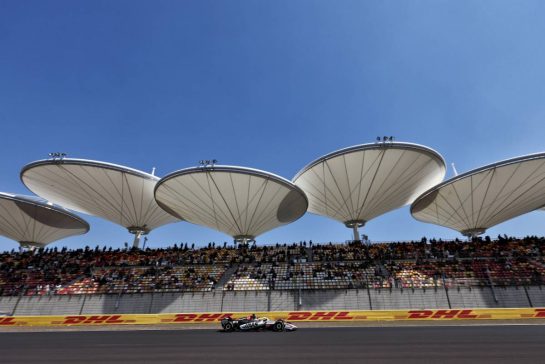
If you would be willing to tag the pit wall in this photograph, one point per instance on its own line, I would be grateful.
(297, 316)
(276, 301)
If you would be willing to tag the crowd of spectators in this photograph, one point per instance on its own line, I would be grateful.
(303, 275)
(422, 264)
(147, 279)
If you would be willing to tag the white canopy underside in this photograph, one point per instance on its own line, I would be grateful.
(360, 185)
(241, 204)
(33, 223)
(478, 201)
(114, 194)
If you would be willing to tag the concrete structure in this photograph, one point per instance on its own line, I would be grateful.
(33, 222)
(287, 300)
(484, 197)
(241, 202)
(116, 193)
(356, 184)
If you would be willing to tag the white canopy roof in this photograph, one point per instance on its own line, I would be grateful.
(34, 222)
(238, 201)
(479, 199)
(356, 184)
(116, 193)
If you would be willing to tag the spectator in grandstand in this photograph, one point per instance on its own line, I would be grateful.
(426, 263)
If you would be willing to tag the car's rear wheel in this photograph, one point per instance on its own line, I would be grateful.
(279, 326)
(228, 326)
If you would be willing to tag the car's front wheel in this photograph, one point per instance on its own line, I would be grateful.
(279, 326)
(228, 326)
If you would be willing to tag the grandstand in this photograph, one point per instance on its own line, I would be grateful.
(505, 272)
(352, 185)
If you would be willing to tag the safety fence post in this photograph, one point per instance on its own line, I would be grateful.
(528, 296)
(446, 290)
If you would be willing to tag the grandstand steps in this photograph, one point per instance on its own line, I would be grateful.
(77, 280)
(310, 255)
(382, 270)
(226, 276)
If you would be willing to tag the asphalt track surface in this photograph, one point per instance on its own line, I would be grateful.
(439, 344)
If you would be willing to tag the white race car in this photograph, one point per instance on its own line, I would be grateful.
(253, 323)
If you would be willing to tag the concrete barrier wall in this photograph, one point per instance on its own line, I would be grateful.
(247, 301)
(7, 304)
(512, 297)
(203, 301)
(49, 305)
(386, 299)
(110, 304)
(471, 297)
(283, 301)
(353, 299)
(537, 296)
(166, 303)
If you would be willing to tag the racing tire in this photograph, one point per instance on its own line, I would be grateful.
(279, 326)
(228, 327)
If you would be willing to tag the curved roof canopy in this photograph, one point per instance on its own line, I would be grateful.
(479, 199)
(34, 222)
(355, 184)
(119, 194)
(241, 202)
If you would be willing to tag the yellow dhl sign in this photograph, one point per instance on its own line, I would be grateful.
(295, 316)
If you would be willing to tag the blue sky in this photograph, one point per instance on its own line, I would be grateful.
(270, 85)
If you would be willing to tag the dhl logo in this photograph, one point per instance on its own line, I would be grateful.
(319, 315)
(8, 321)
(292, 316)
(443, 314)
(469, 314)
(195, 317)
(89, 320)
(538, 313)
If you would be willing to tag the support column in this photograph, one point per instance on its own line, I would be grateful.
(138, 231)
(356, 233)
(354, 225)
(244, 240)
(136, 242)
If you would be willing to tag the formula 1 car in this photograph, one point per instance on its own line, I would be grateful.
(256, 324)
